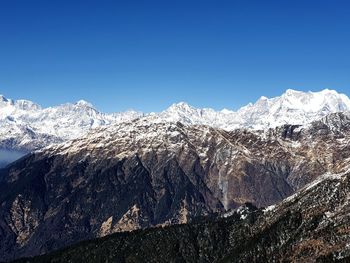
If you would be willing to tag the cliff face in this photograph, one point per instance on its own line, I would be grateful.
(310, 226)
(142, 174)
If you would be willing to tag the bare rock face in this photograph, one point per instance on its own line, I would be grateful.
(312, 225)
(148, 173)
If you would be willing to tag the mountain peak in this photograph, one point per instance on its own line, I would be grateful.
(321, 92)
(84, 103)
(3, 98)
(292, 91)
(27, 105)
(183, 106)
(263, 98)
(325, 91)
(13, 105)
(226, 111)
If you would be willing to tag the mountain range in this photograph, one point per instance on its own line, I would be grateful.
(132, 171)
(25, 126)
(141, 174)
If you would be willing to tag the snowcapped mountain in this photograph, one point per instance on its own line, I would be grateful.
(151, 171)
(25, 125)
(292, 107)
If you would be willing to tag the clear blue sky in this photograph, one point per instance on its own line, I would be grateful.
(148, 54)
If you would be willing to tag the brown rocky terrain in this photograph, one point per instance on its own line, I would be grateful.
(147, 173)
(310, 226)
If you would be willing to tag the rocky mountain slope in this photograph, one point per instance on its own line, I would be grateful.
(149, 172)
(310, 226)
(24, 125)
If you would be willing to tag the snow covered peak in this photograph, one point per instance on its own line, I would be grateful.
(84, 103)
(181, 106)
(293, 91)
(262, 98)
(314, 101)
(226, 111)
(187, 114)
(3, 98)
(24, 120)
(327, 91)
(4, 102)
(27, 105)
(25, 125)
(293, 107)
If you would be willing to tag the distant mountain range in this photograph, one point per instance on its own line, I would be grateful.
(26, 126)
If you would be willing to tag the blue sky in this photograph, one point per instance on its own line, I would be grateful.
(148, 54)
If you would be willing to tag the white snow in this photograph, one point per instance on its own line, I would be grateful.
(292, 107)
(34, 127)
(269, 208)
(31, 126)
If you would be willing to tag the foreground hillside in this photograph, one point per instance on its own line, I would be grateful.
(148, 173)
(310, 226)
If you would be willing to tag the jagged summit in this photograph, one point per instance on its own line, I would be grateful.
(180, 105)
(26, 125)
(84, 103)
(293, 107)
(2, 98)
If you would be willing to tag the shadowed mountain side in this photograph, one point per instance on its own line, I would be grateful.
(310, 226)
